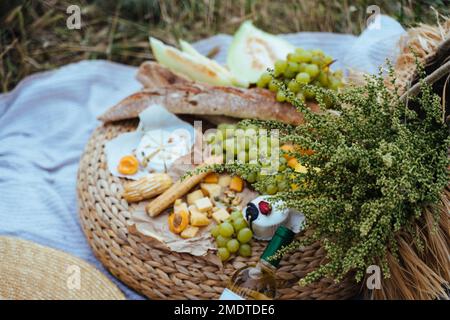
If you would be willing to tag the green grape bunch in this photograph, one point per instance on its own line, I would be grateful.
(244, 143)
(301, 68)
(233, 236)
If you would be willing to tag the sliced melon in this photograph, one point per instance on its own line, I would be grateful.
(188, 48)
(224, 72)
(253, 51)
(192, 65)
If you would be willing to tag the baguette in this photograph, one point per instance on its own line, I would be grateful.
(182, 96)
(199, 99)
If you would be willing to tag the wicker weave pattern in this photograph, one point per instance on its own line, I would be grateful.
(151, 269)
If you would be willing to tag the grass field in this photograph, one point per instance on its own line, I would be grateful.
(34, 36)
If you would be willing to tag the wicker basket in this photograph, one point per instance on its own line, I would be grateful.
(153, 270)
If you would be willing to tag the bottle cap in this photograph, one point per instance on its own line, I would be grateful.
(282, 237)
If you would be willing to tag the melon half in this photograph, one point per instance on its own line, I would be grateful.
(191, 64)
(253, 51)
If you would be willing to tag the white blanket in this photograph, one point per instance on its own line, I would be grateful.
(47, 119)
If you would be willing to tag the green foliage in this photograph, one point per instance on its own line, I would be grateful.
(375, 167)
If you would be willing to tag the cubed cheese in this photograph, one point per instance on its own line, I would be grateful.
(220, 215)
(193, 209)
(189, 232)
(213, 190)
(224, 180)
(198, 219)
(203, 204)
(193, 196)
(180, 206)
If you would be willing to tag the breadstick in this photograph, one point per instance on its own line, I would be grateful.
(177, 190)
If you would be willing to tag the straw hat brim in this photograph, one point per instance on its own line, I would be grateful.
(29, 271)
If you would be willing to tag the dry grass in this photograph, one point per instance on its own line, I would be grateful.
(34, 36)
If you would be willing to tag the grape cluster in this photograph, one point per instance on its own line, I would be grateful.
(240, 143)
(302, 67)
(245, 145)
(233, 237)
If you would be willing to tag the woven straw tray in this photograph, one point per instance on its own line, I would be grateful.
(29, 271)
(154, 271)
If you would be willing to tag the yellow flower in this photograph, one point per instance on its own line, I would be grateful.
(294, 164)
(300, 169)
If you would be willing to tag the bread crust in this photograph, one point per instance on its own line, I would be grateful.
(182, 96)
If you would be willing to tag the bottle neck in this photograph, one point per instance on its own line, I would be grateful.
(267, 266)
(282, 237)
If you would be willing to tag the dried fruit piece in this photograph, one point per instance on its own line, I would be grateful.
(128, 165)
(211, 178)
(236, 184)
(178, 221)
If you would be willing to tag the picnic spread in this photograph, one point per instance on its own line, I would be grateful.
(258, 166)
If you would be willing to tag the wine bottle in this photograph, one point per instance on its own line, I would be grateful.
(258, 282)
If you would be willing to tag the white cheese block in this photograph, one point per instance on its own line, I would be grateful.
(158, 149)
(203, 204)
(220, 215)
(194, 196)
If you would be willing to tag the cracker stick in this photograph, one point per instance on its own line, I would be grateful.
(178, 190)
